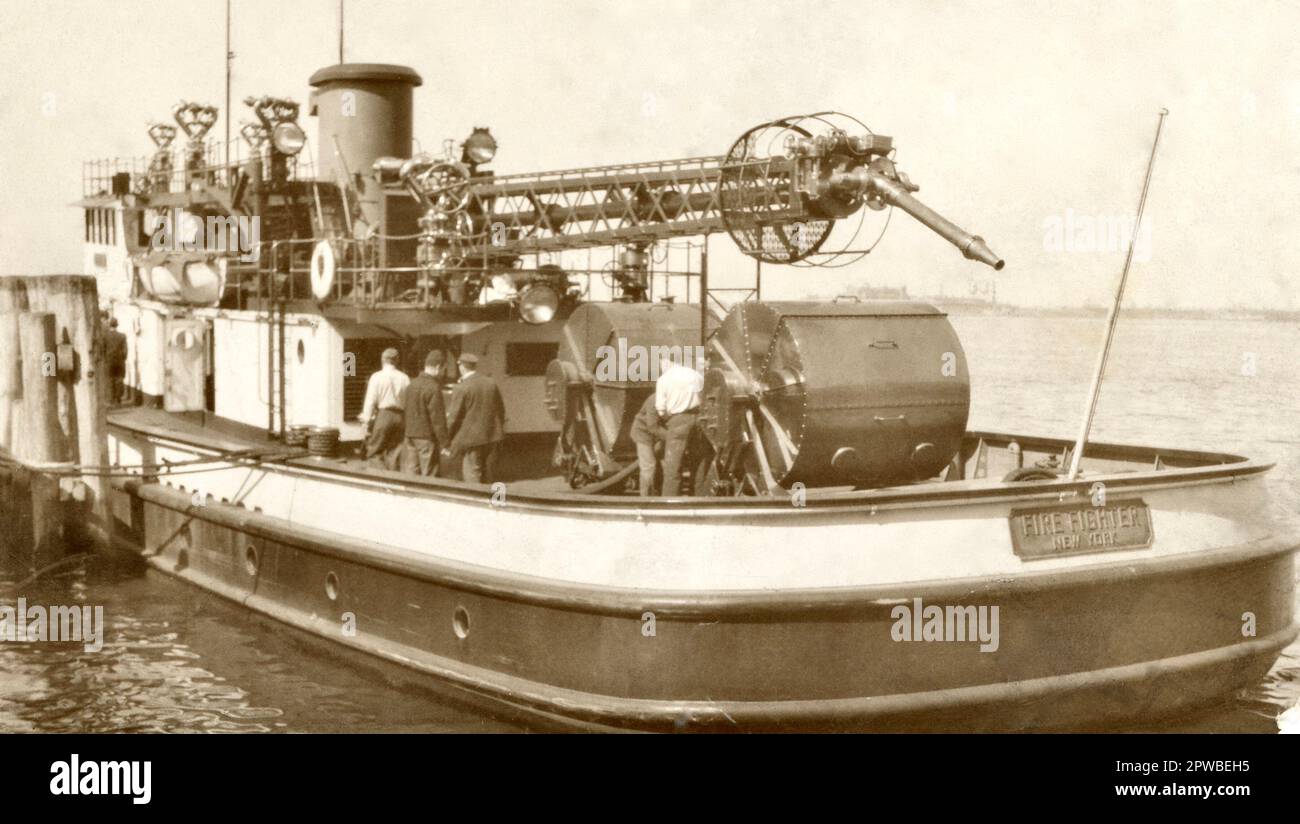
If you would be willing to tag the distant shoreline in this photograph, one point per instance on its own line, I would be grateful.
(1278, 315)
(967, 305)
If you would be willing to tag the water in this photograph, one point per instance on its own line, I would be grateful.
(1225, 386)
(177, 659)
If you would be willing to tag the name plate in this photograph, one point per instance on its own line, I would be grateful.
(1078, 529)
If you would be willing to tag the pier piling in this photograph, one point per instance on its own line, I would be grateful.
(53, 402)
(42, 441)
(11, 394)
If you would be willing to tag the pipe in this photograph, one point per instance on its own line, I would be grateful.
(971, 246)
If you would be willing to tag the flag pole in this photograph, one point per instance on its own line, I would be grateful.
(1095, 391)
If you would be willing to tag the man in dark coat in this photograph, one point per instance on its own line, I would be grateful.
(115, 346)
(426, 417)
(476, 422)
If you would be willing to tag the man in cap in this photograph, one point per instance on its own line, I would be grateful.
(476, 422)
(382, 411)
(115, 346)
(426, 417)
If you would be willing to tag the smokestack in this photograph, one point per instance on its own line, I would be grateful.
(367, 107)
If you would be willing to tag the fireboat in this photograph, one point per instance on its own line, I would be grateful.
(845, 554)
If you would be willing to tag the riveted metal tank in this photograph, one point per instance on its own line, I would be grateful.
(868, 393)
(367, 107)
(610, 352)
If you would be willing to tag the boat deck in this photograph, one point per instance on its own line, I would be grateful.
(987, 465)
(527, 470)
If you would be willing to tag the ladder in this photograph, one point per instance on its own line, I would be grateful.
(275, 372)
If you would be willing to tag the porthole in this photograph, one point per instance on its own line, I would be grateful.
(250, 559)
(332, 586)
(460, 623)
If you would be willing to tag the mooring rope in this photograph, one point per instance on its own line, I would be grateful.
(64, 561)
(67, 469)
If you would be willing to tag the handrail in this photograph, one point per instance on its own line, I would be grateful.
(172, 170)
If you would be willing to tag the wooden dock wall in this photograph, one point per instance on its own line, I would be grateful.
(53, 398)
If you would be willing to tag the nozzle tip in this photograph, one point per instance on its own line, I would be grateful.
(978, 250)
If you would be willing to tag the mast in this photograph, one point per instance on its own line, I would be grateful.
(1094, 392)
(340, 31)
(229, 56)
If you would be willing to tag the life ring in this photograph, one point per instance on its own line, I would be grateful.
(322, 270)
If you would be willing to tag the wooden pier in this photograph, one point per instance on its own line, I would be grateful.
(53, 398)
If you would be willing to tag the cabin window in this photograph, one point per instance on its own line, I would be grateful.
(529, 360)
(89, 218)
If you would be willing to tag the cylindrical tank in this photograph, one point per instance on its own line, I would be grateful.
(367, 107)
(865, 393)
(612, 350)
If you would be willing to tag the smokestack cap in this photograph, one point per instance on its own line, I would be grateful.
(355, 72)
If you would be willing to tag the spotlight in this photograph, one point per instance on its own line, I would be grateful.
(480, 147)
(288, 138)
(538, 303)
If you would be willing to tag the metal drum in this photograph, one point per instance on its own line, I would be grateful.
(868, 393)
(323, 441)
(613, 349)
(605, 368)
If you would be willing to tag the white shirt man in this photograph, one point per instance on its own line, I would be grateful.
(384, 391)
(385, 394)
(677, 403)
(677, 390)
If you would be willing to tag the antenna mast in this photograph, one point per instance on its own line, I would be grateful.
(340, 31)
(229, 56)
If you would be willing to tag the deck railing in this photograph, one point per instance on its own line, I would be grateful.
(281, 270)
(180, 169)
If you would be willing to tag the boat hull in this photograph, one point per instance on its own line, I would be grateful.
(1097, 645)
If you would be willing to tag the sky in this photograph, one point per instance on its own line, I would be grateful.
(1022, 122)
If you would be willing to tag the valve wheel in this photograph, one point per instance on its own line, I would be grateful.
(447, 186)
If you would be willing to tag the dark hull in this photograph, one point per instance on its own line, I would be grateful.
(1100, 646)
